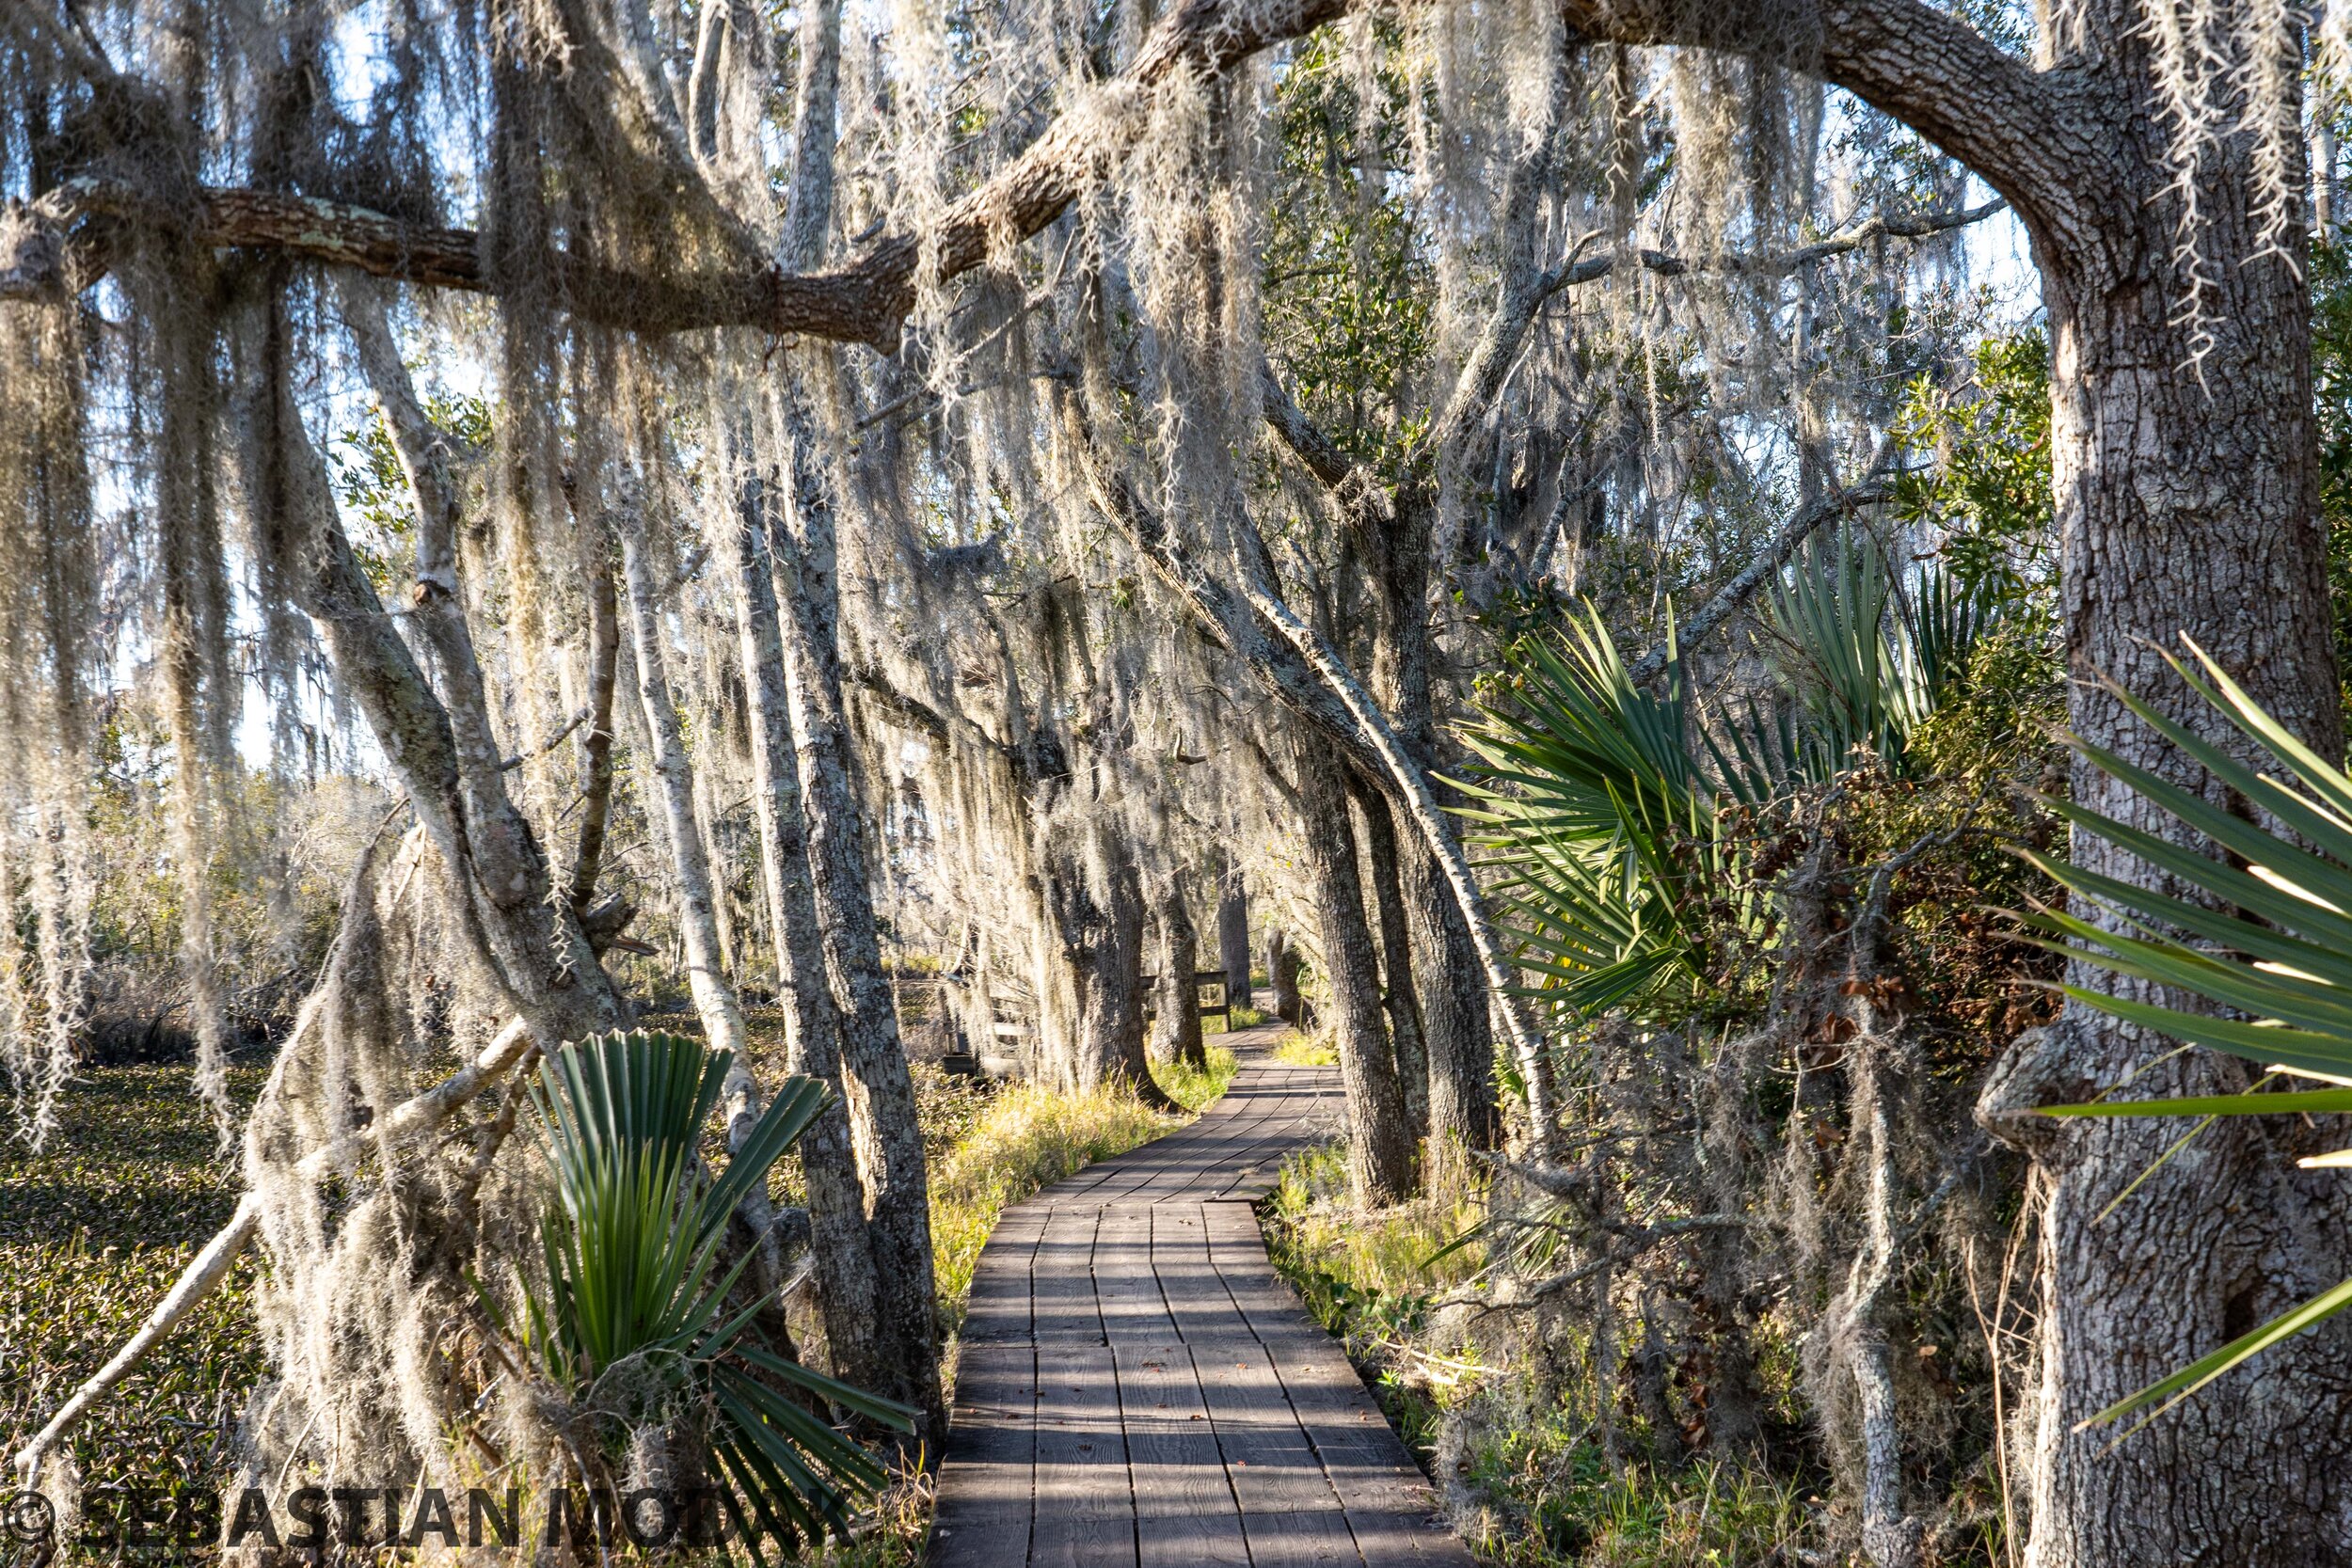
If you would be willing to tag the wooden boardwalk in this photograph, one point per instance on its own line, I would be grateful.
(1139, 1390)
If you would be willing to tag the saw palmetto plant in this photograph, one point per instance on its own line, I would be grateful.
(641, 1319)
(1600, 802)
(2267, 934)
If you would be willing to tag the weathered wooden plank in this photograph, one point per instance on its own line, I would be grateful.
(986, 1483)
(997, 1308)
(1290, 1514)
(1391, 1509)
(1085, 1515)
(1062, 1307)
(1196, 1296)
(1126, 1287)
(1186, 1514)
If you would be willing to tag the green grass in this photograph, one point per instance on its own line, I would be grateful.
(1196, 1088)
(1307, 1051)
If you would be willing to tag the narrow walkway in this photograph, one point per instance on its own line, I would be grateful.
(1139, 1390)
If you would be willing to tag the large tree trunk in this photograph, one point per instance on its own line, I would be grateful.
(1232, 933)
(2187, 507)
(879, 1089)
(1176, 1033)
(1090, 998)
(1379, 1152)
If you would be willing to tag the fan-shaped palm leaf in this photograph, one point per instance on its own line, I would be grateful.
(637, 1284)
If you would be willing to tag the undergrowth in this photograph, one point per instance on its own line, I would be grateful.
(93, 1231)
(1529, 1478)
(1307, 1051)
(96, 1228)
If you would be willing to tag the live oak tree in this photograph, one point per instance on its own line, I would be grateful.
(2151, 152)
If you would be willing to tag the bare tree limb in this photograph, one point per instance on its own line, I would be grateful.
(864, 302)
(1878, 486)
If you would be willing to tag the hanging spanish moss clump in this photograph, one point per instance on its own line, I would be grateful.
(49, 592)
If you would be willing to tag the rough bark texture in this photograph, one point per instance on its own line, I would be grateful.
(2185, 510)
(1379, 1149)
(875, 1079)
(864, 302)
(1283, 967)
(1176, 1031)
(673, 802)
(1399, 997)
(439, 746)
(1091, 997)
(1233, 935)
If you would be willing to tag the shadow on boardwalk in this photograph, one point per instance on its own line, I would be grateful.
(1137, 1388)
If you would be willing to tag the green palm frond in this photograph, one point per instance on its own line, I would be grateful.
(637, 1279)
(2270, 940)
(1866, 663)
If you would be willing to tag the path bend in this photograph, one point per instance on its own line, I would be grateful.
(1139, 1390)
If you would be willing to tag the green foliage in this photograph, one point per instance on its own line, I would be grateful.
(1349, 292)
(2271, 941)
(1602, 822)
(93, 1231)
(1866, 667)
(1989, 490)
(639, 1318)
(1602, 803)
(373, 487)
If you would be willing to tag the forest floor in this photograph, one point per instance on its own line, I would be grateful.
(1536, 1474)
(95, 1227)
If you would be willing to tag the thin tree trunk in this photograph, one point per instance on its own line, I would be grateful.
(1178, 1034)
(1232, 933)
(847, 1290)
(596, 743)
(1282, 969)
(880, 1091)
(1380, 1153)
(715, 1000)
(1398, 994)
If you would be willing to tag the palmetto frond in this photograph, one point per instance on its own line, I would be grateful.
(636, 1275)
(2271, 941)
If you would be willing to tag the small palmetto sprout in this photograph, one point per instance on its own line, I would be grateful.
(2273, 946)
(640, 1313)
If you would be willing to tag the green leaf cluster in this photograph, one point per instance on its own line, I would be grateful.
(640, 1317)
(1612, 812)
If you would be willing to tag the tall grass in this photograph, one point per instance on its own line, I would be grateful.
(1529, 1482)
